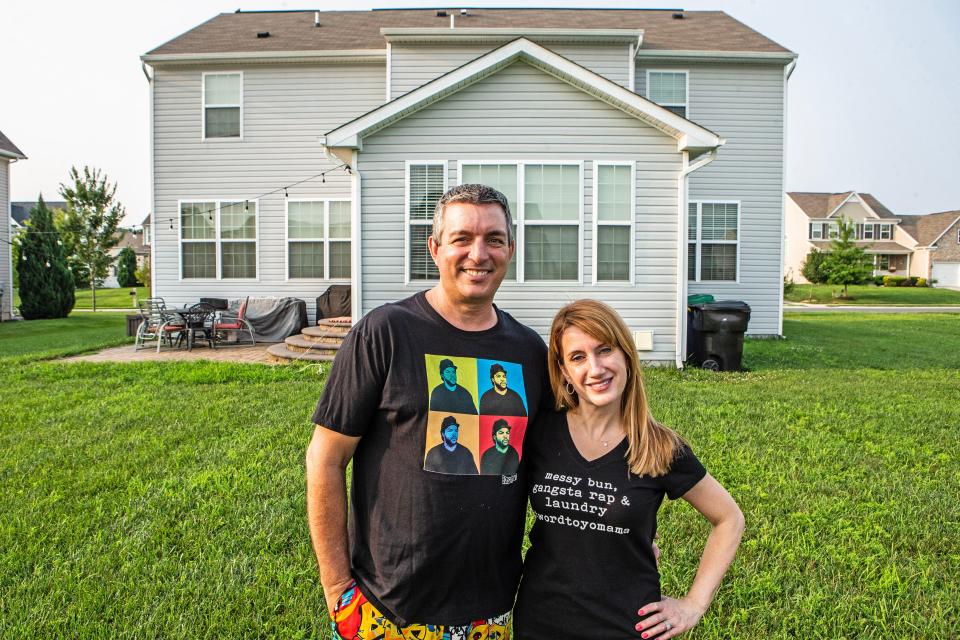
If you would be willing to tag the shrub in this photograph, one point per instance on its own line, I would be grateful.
(788, 283)
(921, 282)
(905, 282)
(812, 268)
(126, 268)
(896, 281)
(879, 280)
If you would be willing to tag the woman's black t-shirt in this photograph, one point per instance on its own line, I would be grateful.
(590, 566)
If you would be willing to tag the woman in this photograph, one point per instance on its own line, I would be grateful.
(598, 471)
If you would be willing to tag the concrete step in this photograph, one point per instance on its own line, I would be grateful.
(302, 344)
(321, 334)
(281, 354)
(335, 325)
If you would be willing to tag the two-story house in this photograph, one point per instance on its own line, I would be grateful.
(900, 245)
(9, 153)
(641, 150)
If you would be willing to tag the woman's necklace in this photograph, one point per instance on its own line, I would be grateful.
(604, 441)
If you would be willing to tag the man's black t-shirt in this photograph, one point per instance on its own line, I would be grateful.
(508, 404)
(590, 566)
(428, 547)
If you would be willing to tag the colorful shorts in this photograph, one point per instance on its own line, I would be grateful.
(355, 618)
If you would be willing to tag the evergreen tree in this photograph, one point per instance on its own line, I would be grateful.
(91, 221)
(46, 286)
(846, 263)
(127, 268)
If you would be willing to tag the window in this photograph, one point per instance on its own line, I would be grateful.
(713, 240)
(222, 105)
(668, 89)
(833, 230)
(816, 231)
(426, 184)
(218, 239)
(613, 221)
(886, 231)
(868, 231)
(546, 216)
(318, 239)
(883, 262)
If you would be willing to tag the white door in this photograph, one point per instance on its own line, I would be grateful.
(946, 273)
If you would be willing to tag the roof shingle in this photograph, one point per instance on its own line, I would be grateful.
(820, 205)
(7, 146)
(352, 30)
(927, 228)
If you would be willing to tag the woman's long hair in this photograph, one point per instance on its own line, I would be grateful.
(651, 446)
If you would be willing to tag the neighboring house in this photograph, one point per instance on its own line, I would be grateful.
(20, 210)
(9, 153)
(602, 127)
(128, 238)
(898, 245)
(937, 250)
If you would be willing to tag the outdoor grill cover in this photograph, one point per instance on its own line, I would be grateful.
(273, 319)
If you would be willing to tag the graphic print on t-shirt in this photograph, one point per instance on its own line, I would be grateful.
(477, 416)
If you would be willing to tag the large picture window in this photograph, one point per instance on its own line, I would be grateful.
(613, 221)
(546, 203)
(318, 239)
(218, 240)
(669, 89)
(713, 241)
(222, 105)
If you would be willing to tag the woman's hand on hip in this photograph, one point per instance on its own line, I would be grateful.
(668, 618)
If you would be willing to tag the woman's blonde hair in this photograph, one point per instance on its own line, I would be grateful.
(651, 446)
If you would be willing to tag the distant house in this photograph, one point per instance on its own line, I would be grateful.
(9, 153)
(641, 151)
(20, 210)
(136, 241)
(900, 245)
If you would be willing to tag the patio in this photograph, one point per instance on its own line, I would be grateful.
(256, 354)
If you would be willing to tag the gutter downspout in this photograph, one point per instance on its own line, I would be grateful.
(355, 275)
(153, 194)
(682, 197)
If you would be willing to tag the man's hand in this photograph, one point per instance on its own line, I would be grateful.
(668, 618)
(332, 593)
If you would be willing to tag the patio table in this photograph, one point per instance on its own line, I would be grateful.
(194, 320)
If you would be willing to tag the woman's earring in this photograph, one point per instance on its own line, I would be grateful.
(570, 389)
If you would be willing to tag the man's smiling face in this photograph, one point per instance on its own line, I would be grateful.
(473, 253)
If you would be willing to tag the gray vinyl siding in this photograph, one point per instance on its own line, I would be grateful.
(521, 113)
(743, 103)
(414, 65)
(286, 109)
(6, 276)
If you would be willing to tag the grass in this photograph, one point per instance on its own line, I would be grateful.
(162, 499)
(867, 294)
(106, 298)
(27, 340)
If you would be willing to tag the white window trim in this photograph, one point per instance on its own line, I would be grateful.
(889, 230)
(407, 222)
(618, 223)
(699, 241)
(326, 240)
(685, 105)
(519, 217)
(217, 202)
(870, 227)
(203, 106)
(818, 226)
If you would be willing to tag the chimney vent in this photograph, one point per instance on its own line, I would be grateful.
(678, 16)
(263, 34)
(316, 18)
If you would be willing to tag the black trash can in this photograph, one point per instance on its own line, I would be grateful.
(133, 324)
(718, 334)
(694, 299)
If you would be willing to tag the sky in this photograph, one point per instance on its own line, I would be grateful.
(874, 102)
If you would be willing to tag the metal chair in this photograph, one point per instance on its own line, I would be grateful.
(157, 324)
(236, 323)
(199, 319)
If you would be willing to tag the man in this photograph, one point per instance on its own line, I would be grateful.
(449, 456)
(499, 400)
(448, 395)
(501, 458)
(429, 554)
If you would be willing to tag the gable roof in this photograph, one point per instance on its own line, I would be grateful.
(689, 135)
(361, 30)
(9, 150)
(20, 210)
(820, 205)
(927, 229)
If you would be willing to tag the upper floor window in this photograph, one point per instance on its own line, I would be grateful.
(218, 240)
(713, 241)
(222, 105)
(886, 231)
(668, 89)
(825, 231)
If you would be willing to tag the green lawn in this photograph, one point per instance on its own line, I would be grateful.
(106, 298)
(871, 294)
(159, 499)
(38, 339)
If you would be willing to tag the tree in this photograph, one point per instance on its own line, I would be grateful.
(812, 268)
(80, 270)
(143, 273)
(846, 263)
(46, 286)
(127, 268)
(91, 221)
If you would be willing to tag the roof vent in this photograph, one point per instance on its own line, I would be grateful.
(441, 14)
(316, 18)
(678, 16)
(463, 12)
(263, 34)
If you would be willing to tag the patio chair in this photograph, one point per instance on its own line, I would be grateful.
(198, 320)
(157, 324)
(236, 323)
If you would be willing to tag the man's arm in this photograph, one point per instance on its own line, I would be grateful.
(327, 458)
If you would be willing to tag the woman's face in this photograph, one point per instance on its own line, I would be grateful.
(597, 370)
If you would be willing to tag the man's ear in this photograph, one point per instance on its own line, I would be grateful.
(433, 247)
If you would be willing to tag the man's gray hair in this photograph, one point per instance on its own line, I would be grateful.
(471, 194)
